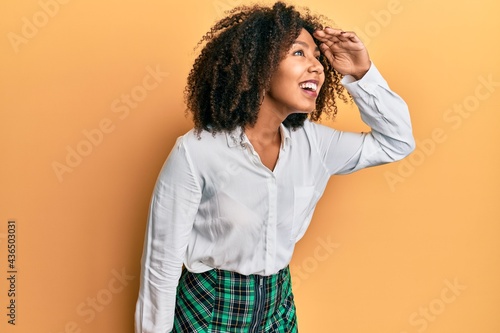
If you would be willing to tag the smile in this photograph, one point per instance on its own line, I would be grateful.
(309, 85)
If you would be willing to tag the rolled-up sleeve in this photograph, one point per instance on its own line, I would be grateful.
(390, 138)
(173, 208)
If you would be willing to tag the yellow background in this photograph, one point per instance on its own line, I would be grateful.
(385, 243)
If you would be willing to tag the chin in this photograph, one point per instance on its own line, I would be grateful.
(308, 111)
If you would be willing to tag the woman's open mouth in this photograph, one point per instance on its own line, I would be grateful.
(310, 87)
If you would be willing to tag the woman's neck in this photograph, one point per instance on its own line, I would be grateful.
(266, 130)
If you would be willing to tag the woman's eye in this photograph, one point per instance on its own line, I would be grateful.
(298, 53)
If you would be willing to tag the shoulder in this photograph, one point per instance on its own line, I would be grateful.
(194, 152)
(193, 140)
(202, 146)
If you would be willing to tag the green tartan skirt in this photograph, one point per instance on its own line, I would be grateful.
(219, 301)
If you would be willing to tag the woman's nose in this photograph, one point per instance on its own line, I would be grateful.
(316, 66)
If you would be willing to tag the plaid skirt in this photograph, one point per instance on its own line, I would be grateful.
(219, 301)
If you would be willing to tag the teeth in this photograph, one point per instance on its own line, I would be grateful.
(309, 85)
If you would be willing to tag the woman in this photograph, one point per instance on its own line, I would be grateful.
(238, 191)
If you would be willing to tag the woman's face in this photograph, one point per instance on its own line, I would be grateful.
(296, 83)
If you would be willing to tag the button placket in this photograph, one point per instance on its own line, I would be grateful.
(271, 222)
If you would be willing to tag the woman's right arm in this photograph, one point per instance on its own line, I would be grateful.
(173, 208)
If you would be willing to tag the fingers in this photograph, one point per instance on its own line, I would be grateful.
(335, 35)
(327, 52)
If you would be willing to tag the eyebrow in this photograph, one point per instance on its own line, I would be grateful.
(306, 45)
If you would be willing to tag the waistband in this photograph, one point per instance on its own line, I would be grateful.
(282, 274)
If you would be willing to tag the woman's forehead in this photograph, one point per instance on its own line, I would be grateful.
(306, 40)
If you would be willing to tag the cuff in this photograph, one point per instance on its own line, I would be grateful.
(366, 85)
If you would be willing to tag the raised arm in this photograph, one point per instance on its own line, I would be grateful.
(390, 138)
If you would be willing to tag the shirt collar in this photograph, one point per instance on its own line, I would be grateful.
(234, 138)
(286, 139)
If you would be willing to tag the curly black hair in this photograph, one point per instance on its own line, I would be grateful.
(226, 84)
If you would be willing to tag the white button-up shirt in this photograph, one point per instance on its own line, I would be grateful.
(215, 205)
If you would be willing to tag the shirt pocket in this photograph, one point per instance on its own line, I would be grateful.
(304, 198)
